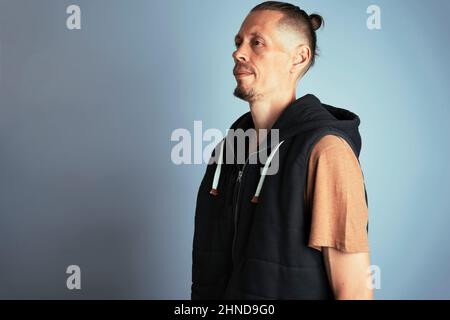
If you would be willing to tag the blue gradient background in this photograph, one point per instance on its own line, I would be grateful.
(86, 118)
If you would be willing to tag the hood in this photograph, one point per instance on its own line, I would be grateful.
(306, 113)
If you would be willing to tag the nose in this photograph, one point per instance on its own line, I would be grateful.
(239, 55)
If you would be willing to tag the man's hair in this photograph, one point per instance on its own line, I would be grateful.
(297, 19)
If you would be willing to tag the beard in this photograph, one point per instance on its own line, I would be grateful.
(248, 95)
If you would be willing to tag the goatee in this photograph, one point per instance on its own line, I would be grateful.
(246, 95)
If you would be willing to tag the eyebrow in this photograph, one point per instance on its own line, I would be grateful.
(254, 33)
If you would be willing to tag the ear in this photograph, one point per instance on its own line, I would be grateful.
(300, 59)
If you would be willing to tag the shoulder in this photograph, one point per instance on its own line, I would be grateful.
(332, 145)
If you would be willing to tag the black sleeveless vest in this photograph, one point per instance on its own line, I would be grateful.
(247, 249)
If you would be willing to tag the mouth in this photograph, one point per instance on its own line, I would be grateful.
(242, 74)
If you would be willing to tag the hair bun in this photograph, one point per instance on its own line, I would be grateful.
(316, 21)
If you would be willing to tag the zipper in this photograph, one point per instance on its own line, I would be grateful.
(238, 186)
(236, 208)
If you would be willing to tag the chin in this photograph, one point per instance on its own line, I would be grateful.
(246, 94)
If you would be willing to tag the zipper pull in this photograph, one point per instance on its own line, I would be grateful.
(239, 176)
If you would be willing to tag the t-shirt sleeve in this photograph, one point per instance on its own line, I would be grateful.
(336, 197)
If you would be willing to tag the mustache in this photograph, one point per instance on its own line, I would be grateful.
(239, 68)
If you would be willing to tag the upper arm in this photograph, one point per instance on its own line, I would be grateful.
(335, 195)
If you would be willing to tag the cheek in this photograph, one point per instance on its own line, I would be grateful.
(282, 64)
(277, 72)
(273, 70)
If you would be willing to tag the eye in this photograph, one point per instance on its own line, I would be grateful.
(257, 43)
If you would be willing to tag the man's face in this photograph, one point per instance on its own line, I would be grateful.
(263, 56)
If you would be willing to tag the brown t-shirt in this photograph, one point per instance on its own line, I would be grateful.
(335, 194)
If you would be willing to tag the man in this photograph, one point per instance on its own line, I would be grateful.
(300, 233)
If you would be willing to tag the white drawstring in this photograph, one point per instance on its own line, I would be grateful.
(264, 172)
(214, 190)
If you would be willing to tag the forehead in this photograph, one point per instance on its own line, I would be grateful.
(264, 22)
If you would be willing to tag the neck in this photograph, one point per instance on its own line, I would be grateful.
(265, 111)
